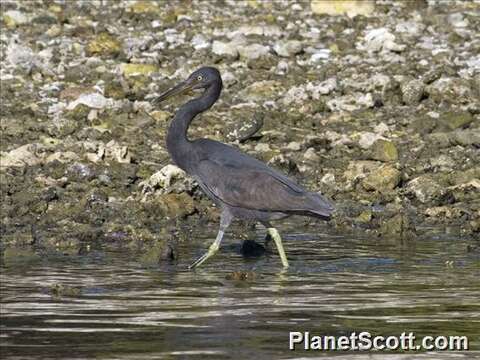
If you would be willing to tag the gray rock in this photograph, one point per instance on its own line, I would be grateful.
(382, 179)
(466, 137)
(399, 226)
(455, 119)
(117, 152)
(79, 172)
(296, 94)
(320, 55)
(162, 180)
(287, 48)
(21, 56)
(225, 49)
(63, 157)
(246, 129)
(351, 102)
(92, 100)
(451, 90)
(261, 91)
(367, 139)
(384, 150)
(349, 8)
(253, 51)
(294, 146)
(425, 189)
(324, 88)
(175, 205)
(14, 18)
(442, 163)
(26, 155)
(412, 92)
(381, 39)
(200, 42)
(260, 30)
(457, 137)
(311, 155)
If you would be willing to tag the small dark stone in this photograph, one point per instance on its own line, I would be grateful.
(169, 253)
(79, 171)
(377, 101)
(50, 194)
(44, 19)
(241, 276)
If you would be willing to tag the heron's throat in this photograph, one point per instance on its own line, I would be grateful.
(178, 144)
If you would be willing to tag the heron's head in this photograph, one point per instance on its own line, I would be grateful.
(200, 79)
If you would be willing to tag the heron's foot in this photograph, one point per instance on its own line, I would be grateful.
(278, 242)
(211, 251)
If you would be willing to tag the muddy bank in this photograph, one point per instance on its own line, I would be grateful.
(378, 108)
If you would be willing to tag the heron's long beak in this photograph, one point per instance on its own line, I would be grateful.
(181, 88)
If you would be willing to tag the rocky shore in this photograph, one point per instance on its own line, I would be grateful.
(377, 107)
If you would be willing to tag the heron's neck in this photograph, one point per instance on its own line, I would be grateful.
(178, 145)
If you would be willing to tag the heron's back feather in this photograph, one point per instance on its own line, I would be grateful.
(238, 180)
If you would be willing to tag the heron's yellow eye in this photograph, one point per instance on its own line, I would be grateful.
(199, 77)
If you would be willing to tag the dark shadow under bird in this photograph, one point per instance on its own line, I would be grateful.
(240, 185)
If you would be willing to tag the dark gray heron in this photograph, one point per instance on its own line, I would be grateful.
(240, 185)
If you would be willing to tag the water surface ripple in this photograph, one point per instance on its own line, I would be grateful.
(109, 305)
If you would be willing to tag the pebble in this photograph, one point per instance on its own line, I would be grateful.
(381, 39)
(367, 139)
(253, 51)
(288, 48)
(200, 42)
(311, 154)
(323, 88)
(320, 55)
(425, 189)
(25, 155)
(105, 45)
(328, 179)
(224, 48)
(412, 92)
(384, 150)
(92, 100)
(383, 179)
(14, 18)
(262, 148)
(162, 179)
(294, 146)
(351, 8)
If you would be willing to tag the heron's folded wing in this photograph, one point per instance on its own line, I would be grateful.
(251, 188)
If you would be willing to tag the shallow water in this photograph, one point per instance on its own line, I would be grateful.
(111, 306)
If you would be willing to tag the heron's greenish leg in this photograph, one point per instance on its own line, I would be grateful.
(211, 251)
(225, 220)
(274, 234)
